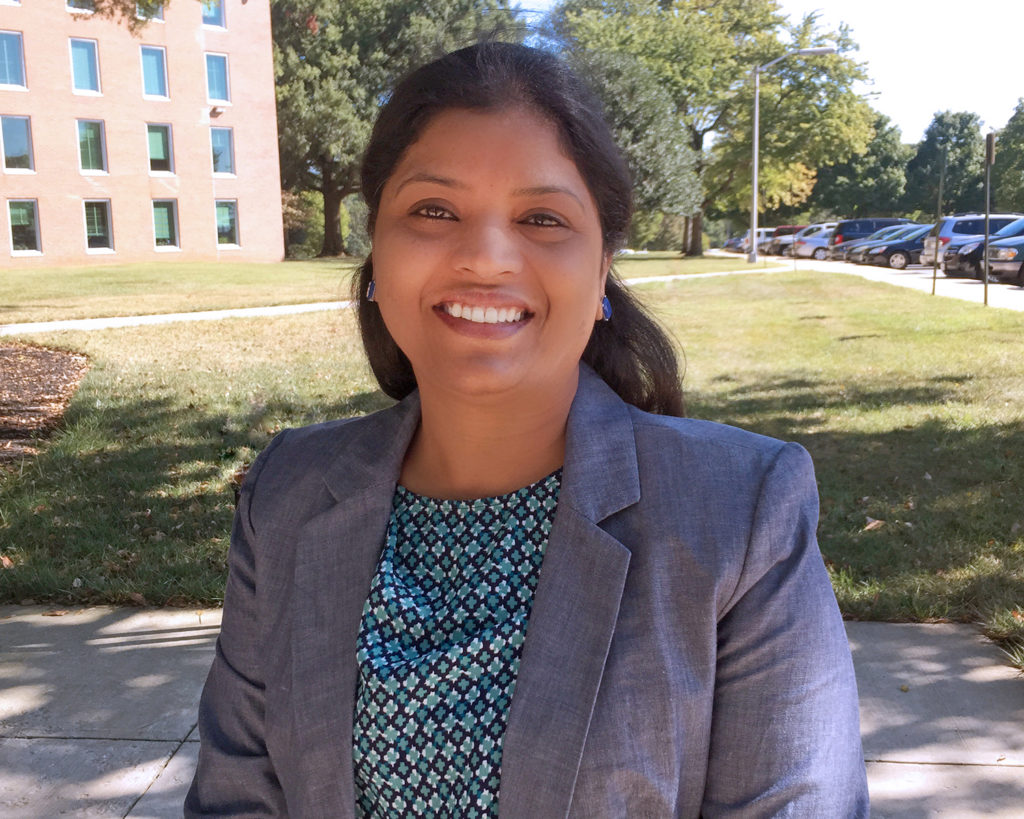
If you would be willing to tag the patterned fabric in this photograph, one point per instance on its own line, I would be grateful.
(439, 647)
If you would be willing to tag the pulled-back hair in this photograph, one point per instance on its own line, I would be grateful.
(630, 352)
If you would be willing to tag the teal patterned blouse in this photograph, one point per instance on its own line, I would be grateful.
(439, 647)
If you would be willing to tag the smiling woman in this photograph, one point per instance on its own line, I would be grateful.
(529, 589)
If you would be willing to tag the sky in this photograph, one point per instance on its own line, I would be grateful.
(925, 56)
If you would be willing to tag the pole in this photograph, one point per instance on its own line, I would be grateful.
(990, 155)
(752, 256)
(938, 219)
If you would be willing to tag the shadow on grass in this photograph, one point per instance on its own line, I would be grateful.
(132, 503)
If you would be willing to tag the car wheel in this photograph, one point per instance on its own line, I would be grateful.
(898, 260)
(1020, 277)
(820, 253)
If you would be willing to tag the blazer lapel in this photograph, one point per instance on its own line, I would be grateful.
(574, 610)
(337, 555)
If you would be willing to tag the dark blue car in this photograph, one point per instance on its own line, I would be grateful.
(902, 252)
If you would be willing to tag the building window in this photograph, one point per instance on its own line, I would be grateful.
(223, 150)
(98, 235)
(12, 65)
(16, 142)
(24, 221)
(165, 223)
(213, 13)
(217, 78)
(149, 11)
(154, 72)
(80, 6)
(161, 156)
(92, 151)
(85, 67)
(227, 222)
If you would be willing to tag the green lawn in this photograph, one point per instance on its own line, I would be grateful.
(912, 406)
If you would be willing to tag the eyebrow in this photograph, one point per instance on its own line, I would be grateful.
(543, 190)
(448, 182)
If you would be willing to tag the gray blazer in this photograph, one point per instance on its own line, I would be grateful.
(685, 655)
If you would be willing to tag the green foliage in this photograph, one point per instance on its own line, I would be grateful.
(868, 184)
(304, 223)
(1008, 170)
(958, 134)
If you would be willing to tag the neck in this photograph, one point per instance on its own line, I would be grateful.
(481, 448)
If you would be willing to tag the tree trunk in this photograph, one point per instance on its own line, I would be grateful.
(333, 244)
(693, 235)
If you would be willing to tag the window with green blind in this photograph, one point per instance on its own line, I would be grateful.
(97, 224)
(217, 78)
(16, 137)
(85, 72)
(12, 67)
(91, 150)
(160, 156)
(24, 223)
(227, 222)
(154, 71)
(223, 150)
(165, 223)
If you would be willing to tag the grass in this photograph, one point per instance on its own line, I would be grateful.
(130, 290)
(912, 406)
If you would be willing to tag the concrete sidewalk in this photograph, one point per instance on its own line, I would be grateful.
(97, 714)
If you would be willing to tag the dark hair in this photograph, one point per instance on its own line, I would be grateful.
(630, 352)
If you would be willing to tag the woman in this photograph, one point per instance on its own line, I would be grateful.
(684, 655)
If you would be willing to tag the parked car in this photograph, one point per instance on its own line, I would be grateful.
(842, 250)
(1006, 259)
(733, 243)
(782, 238)
(966, 259)
(898, 253)
(812, 241)
(763, 234)
(848, 229)
(961, 225)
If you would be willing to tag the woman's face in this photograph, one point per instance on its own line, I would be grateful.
(487, 255)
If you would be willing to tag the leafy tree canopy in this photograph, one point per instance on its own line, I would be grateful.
(1008, 170)
(958, 136)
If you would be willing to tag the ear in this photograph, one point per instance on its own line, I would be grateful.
(606, 266)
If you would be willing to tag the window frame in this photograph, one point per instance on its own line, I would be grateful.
(21, 53)
(170, 148)
(167, 80)
(237, 244)
(31, 169)
(140, 15)
(174, 226)
(10, 228)
(109, 248)
(86, 92)
(223, 24)
(75, 10)
(227, 78)
(103, 148)
(231, 145)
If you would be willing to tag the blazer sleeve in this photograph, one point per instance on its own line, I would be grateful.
(235, 776)
(785, 733)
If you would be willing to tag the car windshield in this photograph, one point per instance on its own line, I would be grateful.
(1012, 229)
(906, 231)
(917, 233)
(886, 232)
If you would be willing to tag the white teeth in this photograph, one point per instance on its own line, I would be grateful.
(484, 315)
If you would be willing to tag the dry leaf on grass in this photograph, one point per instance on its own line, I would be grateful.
(873, 524)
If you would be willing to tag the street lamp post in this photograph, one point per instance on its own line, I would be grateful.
(752, 256)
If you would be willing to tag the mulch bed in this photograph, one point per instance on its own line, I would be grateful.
(36, 384)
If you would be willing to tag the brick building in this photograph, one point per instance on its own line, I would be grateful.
(122, 147)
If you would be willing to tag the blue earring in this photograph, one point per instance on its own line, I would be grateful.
(606, 309)
(371, 288)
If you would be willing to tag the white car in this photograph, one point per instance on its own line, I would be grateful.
(812, 241)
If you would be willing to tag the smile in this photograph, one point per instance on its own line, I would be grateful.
(483, 315)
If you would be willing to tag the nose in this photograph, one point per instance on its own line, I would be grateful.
(487, 248)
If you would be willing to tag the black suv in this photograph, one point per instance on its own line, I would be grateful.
(860, 229)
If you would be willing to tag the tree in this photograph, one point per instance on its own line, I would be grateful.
(702, 53)
(958, 134)
(1008, 170)
(868, 184)
(335, 62)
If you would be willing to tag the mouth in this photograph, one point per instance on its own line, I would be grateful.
(484, 315)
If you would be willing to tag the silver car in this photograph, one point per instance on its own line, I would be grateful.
(812, 241)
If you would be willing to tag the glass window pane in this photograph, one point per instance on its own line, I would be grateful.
(97, 224)
(17, 141)
(159, 147)
(164, 224)
(213, 13)
(81, 5)
(84, 74)
(217, 77)
(90, 146)
(227, 223)
(148, 11)
(24, 232)
(154, 76)
(223, 150)
(11, 69)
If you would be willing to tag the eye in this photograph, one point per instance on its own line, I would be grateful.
(433, 212)
(543, 220)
